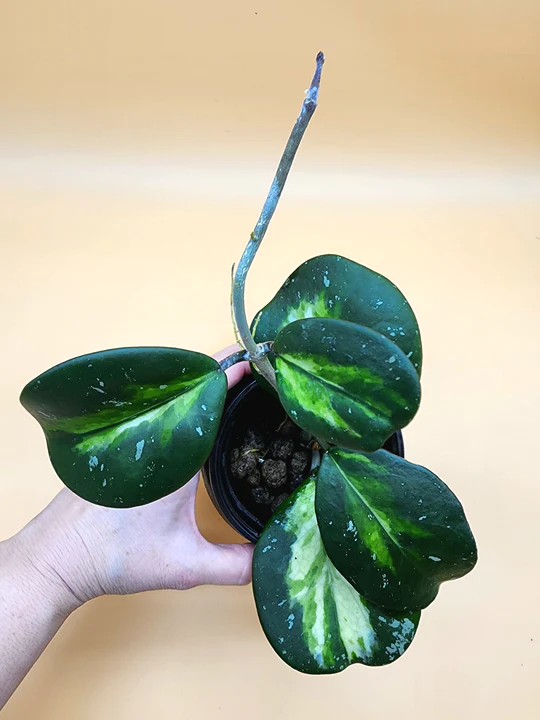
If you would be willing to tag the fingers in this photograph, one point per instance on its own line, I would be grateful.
(222, 354)
(225, 564)
(236, 372)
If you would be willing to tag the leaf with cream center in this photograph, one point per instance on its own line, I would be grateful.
(344, 383)
(313, 617)
(126, 427)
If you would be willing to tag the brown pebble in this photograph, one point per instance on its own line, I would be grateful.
(274, 473)
(281, 449)
(254, 440)
(299, 462)
(245, 464)
(254, 478)
(288, 428)
(261, 495)
(276, 502)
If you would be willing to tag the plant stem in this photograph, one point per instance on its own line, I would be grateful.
(243, 355)
(238, 286)
(315, 460)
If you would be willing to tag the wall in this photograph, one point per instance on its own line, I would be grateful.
(137, 142)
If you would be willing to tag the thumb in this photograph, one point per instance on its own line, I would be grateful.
(225, 564)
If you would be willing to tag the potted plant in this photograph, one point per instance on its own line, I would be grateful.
(347, 560)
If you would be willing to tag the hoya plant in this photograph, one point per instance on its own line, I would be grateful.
(348, 561)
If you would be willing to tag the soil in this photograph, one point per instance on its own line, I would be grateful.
(268, 463)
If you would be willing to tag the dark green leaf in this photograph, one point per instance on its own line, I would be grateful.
(332, 286)
(344, 383)
(126, 427)
(314, 619)
(394, 529)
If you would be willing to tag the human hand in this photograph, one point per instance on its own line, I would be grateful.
(83, 550)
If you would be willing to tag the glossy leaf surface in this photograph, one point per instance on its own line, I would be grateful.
(314, 619)
(126, 427)
(394, 529)
(344, 383)
(335, 287)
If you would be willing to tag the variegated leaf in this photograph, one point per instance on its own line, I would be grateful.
(314, 619)
(344, 383)
(126, 427)
(332, 286)
(393, 529)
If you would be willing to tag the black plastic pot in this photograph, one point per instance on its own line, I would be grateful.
(243, 403)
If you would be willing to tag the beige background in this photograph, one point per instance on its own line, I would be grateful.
(137, 142)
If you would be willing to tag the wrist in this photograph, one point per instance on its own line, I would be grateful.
(34, 577)
(50, 556)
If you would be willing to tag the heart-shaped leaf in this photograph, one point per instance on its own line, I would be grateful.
(332, 286)
(393, 529)
(344, 383)
(126, 427)
(314, 619)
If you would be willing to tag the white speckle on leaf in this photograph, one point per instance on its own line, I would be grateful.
(93, 462)
(104, 483)
(290, 621)
(203, 407)
(162, 387)
(422, 517)
(139, 449)
(199, 430)
(102, 467)
(392, 359)
(435, 558)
